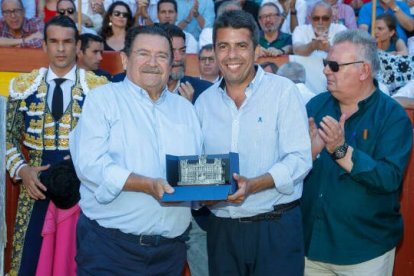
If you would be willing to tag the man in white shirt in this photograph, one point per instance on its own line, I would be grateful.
(167, 13)
(258, 230)
(315, 39)
(296, 73)
(122, 165)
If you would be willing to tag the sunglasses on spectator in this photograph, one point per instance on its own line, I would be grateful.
(68, 10)
(324, 18)
(268, 16)
(204, 59)
(7, 13)
(334, 66)
(119, 13)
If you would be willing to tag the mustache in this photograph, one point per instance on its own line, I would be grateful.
(150, 69)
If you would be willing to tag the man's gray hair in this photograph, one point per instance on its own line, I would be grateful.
(324, 5)
(366, 44)
(18, 1)
(293, 71)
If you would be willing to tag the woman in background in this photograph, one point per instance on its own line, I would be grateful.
(386, 35)
(46, 9)
(118, 19)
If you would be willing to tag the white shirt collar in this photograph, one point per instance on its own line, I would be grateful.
(71, 75)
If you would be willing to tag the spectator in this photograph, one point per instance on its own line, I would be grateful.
(206, 35)
(273, 42)
(132, 4)
(250, 7)
(117, 21)
(68, 8)
(361, 143)
(341, 14)
(315, 39)
(401, 11)
(179, 83)
(386, 35)
(208, 66)
(29, 8)
(122, 168)
(167, 13)
(296, 73)
(195, 15)
(16, 30)
(46, 9)
(93, 12)
(89, 52)
(142, 16)
(294, 12)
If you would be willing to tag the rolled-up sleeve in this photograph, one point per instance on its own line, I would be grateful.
(294, 144)
(89, 147)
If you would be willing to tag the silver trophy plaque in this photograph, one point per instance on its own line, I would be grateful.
(201, 172)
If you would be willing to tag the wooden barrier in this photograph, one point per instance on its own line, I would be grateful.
(25, 60)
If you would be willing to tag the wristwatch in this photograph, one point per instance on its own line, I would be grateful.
(340, 151)
(293, 12)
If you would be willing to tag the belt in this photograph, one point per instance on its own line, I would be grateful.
(277, 212)
(143, 240)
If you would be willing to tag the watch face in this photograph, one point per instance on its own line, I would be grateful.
(340, 151)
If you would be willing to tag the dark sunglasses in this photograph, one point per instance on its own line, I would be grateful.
(68, 10)
(324, 18)
(334, 66)
(204, 59)
(119, 13)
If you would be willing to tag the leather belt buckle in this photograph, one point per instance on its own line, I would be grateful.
(145, 240)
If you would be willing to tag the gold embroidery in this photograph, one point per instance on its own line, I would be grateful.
(24, 81)
(23, 104)
(93, 80)
(65, 119)
(48, 119)
(49, 143)
(76, 107)
(35, 124)
(63, 131)
(33, 140)
(64, 143)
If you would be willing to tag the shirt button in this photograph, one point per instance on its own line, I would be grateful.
(320, 195)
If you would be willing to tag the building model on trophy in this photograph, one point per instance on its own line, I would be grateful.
(201, 177)
(201, 171)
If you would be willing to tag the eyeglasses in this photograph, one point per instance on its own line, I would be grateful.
(334, 66)
(8, 13)
(119, 13)
(68, 10)
(209, 59)
(268, 16)
(324, 18)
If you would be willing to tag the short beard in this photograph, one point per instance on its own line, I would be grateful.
(177, 75)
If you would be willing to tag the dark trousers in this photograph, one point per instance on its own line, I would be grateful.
(102, 251)
(268, 247)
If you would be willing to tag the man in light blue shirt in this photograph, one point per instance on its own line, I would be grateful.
(195, 15)
(119, 150)
(258, 230)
